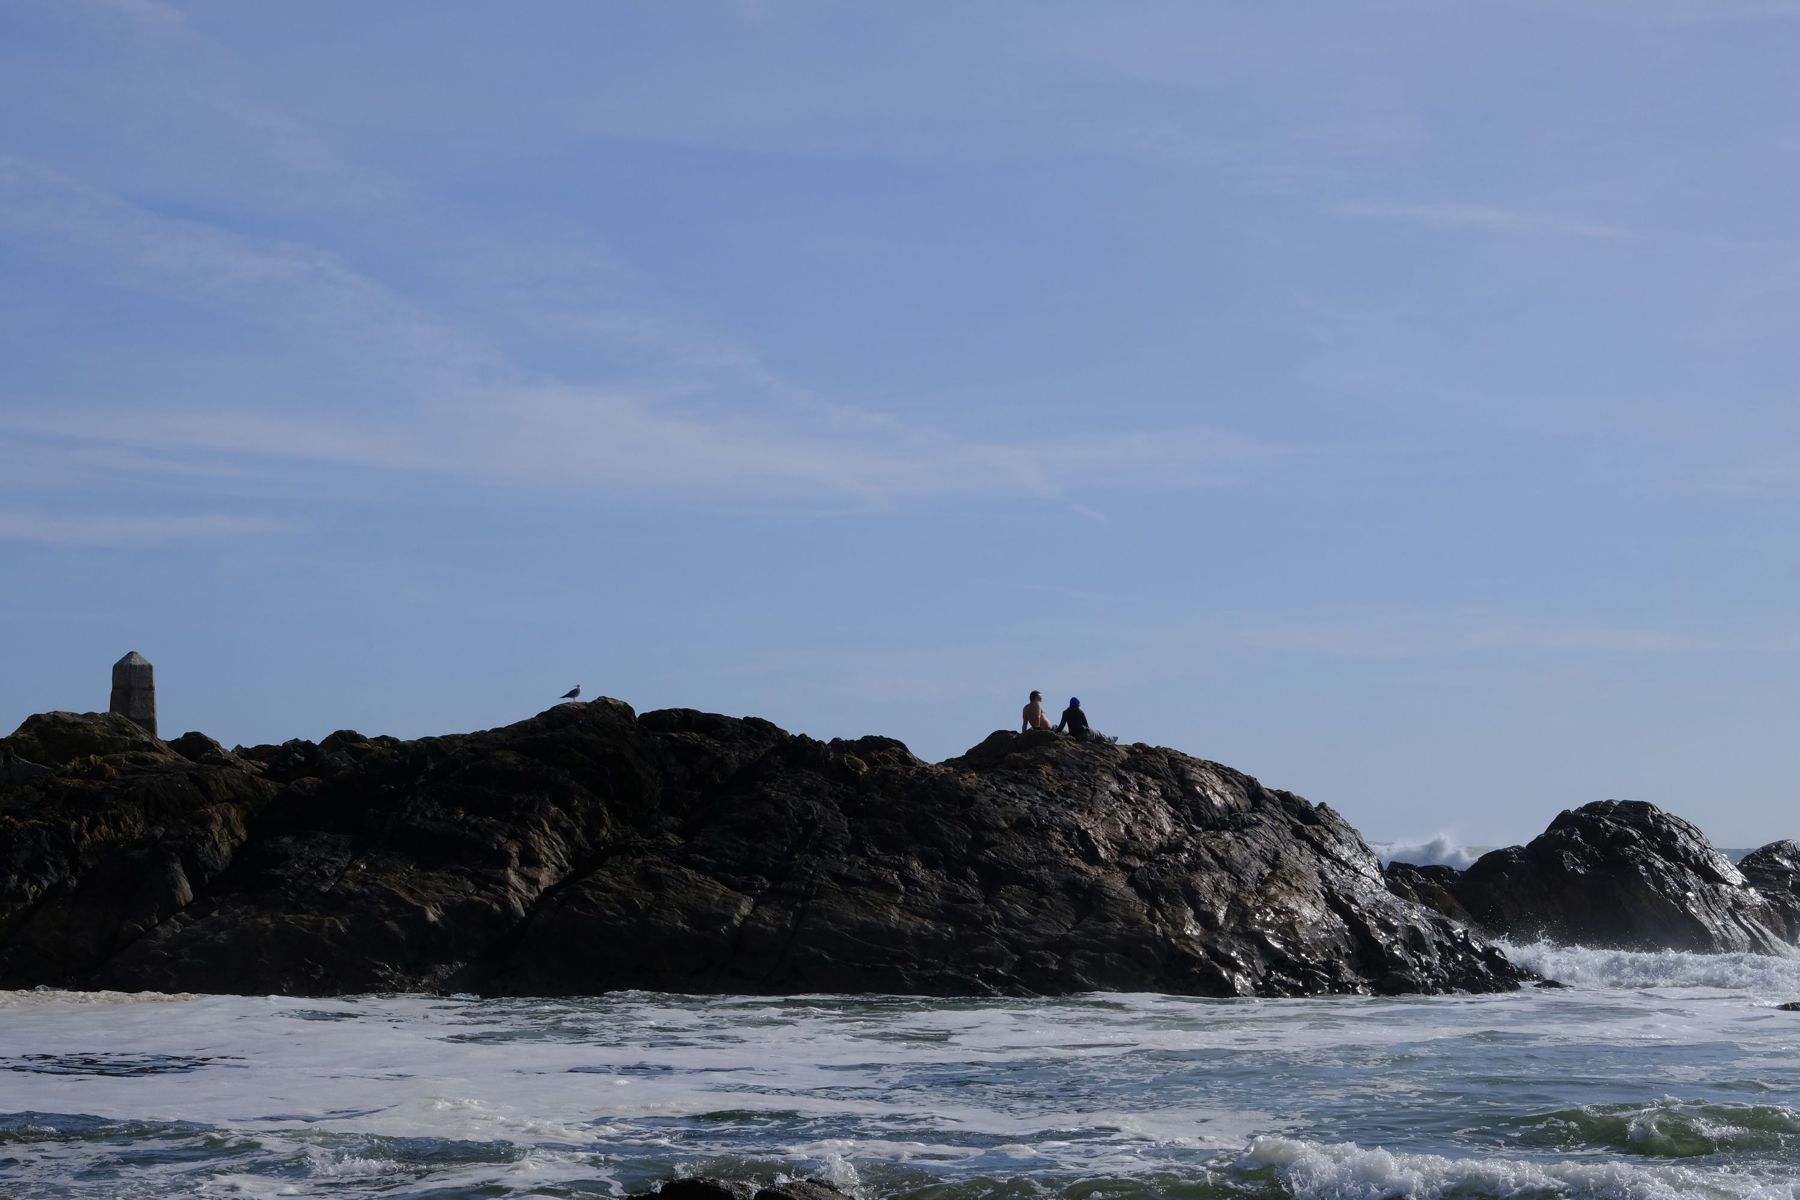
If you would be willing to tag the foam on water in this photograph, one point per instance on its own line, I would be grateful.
(1655, 1075)
(1771, 976)
(1440, 850)
(61, 999)
(1321, 1171)
(1668, 1128)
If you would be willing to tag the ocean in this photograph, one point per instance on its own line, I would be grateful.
(1652, 1075)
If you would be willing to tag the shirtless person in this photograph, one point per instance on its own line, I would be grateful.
(1035, 716)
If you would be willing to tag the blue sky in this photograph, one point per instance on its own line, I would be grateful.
(1392, 400)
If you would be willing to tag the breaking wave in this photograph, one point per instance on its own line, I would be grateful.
(1439, 851)
(1765, 975)
(1667, 1128)
(1320, 1171)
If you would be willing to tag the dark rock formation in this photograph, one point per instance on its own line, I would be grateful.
(115, 834)
(588, 849)
(1433, 886)
(1774, 870)
(741, 1189)
(1615, 873)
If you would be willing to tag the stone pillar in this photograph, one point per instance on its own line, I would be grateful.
(134, 690)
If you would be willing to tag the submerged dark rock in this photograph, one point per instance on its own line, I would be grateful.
(588, 849)
(1620, 874)
(702, 1188)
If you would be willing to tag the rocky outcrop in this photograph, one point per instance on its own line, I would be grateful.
(105, 833)
(1774, 870)
(589, 849)
(703, 1188)
(1620, 874)
(1433, 886)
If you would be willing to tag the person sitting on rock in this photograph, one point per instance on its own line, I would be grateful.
(1075, 719)
(1035, 716)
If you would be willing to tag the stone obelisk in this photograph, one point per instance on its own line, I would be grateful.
(134, 690)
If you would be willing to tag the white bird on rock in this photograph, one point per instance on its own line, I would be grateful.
(572, 692)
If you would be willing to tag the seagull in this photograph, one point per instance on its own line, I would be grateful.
(572, 692)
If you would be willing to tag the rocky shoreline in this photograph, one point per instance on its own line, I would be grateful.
(591, 849)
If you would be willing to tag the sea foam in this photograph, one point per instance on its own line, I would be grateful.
(1440, 850)
(1344, 1171)
(1774, 976)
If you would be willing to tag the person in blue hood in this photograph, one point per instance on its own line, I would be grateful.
(1075, 719)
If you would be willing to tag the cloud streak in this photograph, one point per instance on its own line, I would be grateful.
(119, 530)
(564, 439)
(1480, 217)
(1448, 633)
(154, 15)
(281, 283)
(723, 426)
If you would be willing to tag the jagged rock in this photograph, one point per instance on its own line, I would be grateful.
(738, 1189)
(198, 748)
(1614, 873)
(14, 769)
(700, 1189)
(58, 739)
(588, 849)
(1774, 870)
(293, 759)
(801, 1189)
(1038, 864)
(1433, 886)
(119, 837)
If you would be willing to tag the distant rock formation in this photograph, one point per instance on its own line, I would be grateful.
(1620, 874)
(1774, 870)
(589, 849)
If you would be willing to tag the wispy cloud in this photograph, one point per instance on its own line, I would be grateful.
(28, 461)
(281, 283)
(723, 426)
(1446, 633)
(1672, 12)
(114, 530)
(567, 439)
(211, 85)
(150, 14)
(1480, 217)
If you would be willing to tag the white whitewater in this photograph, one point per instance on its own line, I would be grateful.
(1651, 1076)
(1439, 850)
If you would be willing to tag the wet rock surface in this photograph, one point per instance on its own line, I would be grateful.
(589, 849)
(705, 1188)
(1774, 870)
(1620, 874)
